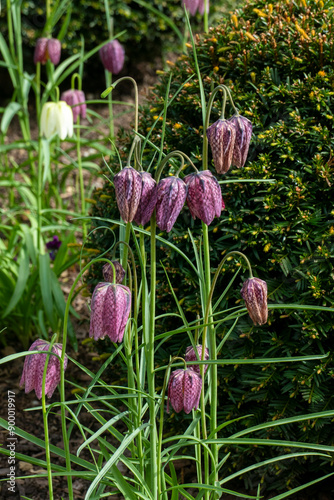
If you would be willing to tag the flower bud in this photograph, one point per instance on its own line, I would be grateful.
(184, 390)
(47, 48)
(191, 356)
(108, 273)
(148, 199)
(76, 99)
(112, 56)
(221, 137)
(33, 369)
(110, 310)
(172, 193)
(128, 187)
(254, 293)
(191, 6)
(204, 196)
(56, 118)
(243, 134)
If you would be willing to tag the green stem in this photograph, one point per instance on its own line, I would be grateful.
(39, 197)
(108, 77)
(82, 186)
(126, 247)
(206, 17)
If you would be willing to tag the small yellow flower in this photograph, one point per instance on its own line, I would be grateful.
(235, 20)
(267, 247)
(321, 73)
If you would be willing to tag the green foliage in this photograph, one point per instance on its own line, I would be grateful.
(277, 61)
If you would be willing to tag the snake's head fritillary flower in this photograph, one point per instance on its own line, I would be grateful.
(53, 245)
(110, 310)
(243, 134)
(172, 193)
(191, 356)
(76, 99)
(47, 48)
(221, 137)
(32, 375)
(204, 196)
(191, 6)
(108, 273)
(254, 293)
(148, 199)
(56, 118)
(112, 56)
(184, 390)
(128, 187)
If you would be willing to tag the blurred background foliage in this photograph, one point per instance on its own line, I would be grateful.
(277, 59)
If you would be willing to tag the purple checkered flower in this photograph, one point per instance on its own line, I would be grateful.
(47, 48)
(243, 134)
(191, 356)
(128, 187)
(108, 273)
(184, 390)
(33, 369)
(204, 196)
(148, 199)
(112, 56)
(221, 137)
(254, 293)
(110, 310)
(172, 193)
(76, 99)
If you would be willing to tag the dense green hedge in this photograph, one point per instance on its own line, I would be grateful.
(278, 61)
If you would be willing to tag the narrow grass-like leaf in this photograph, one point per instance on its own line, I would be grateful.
(46, 286)
(299, 488)
(11, 109)
(22, 278)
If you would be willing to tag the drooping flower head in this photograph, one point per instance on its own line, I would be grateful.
(56, 118)
(184, 390)
(191, 6)
(191, 356)
(254, 293)
(221, 137)
(47, 48)
(108, 273)
(53, 245)
(110, 309)
(148, 199)
(112, 56)
(243, 134)
(172, 193)
(76, 99)
(32, 375)
(204, 196)
(201, 6)
(128, 187)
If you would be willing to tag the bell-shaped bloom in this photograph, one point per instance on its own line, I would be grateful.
(172, 193)
(56, 118)
(110, 310)
(192, 356)
(184, 390)
(221, 137)
(108, 273)
(128, 186)
(204, 196)
(254, 293)
(112, 56)
(47, 48)
(33, 369)
(53, 245)
(148, 199)
(76, 99)
(243, 133)
(191, 6)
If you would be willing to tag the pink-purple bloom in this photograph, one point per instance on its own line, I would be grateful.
(112, 56)
(172, 192)
(76, 99)
(243, 134)
(254, 293)
(148, 199)
(204, 196)
(193, 6)
(110, 310)
(221, 137)
(47, 48)
(184, 390)
(53, 245)
(108, 272)
(33, 369)
(128, 187)
(192, 356)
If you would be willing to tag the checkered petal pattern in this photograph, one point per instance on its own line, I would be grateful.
(148, 199)
(184, 390)
(191, 356)
(112, 56)
(172, 193)
(204, 196)
(128, 186)
(243, 133)
(254, 293)
(221, 137)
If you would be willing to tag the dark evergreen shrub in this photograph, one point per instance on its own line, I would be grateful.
(277, 60)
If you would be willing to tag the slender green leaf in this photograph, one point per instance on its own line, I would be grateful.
(22, 278)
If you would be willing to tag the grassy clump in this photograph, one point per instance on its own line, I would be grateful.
(277, 61)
